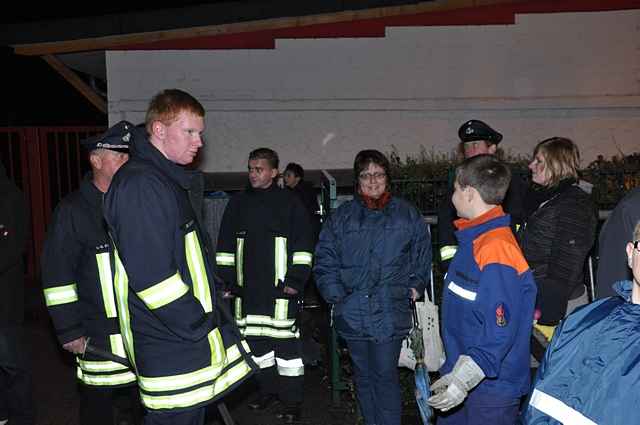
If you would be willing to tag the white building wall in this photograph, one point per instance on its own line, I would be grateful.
(319, 101)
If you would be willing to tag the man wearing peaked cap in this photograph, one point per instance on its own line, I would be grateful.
(477, 138)
(76, 280)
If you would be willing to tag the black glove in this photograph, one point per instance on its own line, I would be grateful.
(279, 291)
(235, 290)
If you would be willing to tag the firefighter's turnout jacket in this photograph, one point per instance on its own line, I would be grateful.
(164, 286)
(265, 243)
(77, 283)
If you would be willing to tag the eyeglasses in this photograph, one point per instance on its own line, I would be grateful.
(375, 176)
(636, 245)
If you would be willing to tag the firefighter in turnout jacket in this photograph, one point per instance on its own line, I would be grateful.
(77, 282)
(185, 356)
(264, 256)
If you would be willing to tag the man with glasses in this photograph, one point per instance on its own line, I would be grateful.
(264, 256)
(476, 138)
(591, 369)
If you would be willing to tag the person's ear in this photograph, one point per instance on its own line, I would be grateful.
(158, 129)
(470, 193)
(492, 148)
(96, 161)
(274, 173)
(630, 254)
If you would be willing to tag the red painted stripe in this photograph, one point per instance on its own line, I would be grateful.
(501, 14)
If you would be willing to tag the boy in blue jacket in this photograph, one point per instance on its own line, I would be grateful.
(488, 304)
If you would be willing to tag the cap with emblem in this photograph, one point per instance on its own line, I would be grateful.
(116, 138)
(474, 130)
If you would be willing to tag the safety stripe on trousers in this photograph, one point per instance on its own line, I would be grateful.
(265, 361)
(557, 409)
(291, 367)
(61, 294)
(198, 271)
(164, 292)
(268, 332)
(106, 380)
(254, 319)
(106, 284)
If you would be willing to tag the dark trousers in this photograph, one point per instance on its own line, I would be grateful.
(481, 410)
(289, 389)
(190, 417)
(16, 391)
(375, 372)
(98, 404)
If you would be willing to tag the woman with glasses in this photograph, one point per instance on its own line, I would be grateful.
(373, 257)
(591, 371)
(559, 232)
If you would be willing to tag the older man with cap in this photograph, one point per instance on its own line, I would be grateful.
(77, 282)
(476, 138)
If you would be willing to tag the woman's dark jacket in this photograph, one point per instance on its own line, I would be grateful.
(365, 263)
(556, 240)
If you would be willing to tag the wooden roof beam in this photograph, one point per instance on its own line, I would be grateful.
(73, 79)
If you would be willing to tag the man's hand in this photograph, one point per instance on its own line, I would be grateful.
(452, 388)
(76, 346)
(289, 290)
(414, 294)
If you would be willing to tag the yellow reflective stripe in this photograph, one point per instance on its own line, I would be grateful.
(293, 367)
(302, 257)
(186, 380)
(240, 261)
(269, 332)
(280, 259)
(238, 308)
(225, 259)
(447, 252)
(121, 285)
(117, 345)
(216, 345)
(99, 365)
(199, 395)
(198, 271)
(281, 309)
(106, 284)
(255, 319)
(164, 292)
(61, 294)
(106, 380)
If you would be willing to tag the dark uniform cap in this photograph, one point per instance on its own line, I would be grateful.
(116, 138)
(474, 130)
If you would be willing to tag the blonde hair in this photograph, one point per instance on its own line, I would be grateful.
(561, 157)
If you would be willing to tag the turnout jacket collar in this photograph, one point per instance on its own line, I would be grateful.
(142, 148)
(90, 192)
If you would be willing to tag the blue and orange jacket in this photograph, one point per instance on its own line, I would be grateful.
(488, 305)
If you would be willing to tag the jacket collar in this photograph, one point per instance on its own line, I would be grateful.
(470, 229)
(141, 148)
(90, 192)
(623, 288)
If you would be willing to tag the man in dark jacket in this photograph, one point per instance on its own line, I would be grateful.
(77, 283)
(16, 402)
(612, 264)
(476, 138)
(184, 355)
(264, 257)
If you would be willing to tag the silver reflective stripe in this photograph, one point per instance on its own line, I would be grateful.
(302, 257)
(106, 380)
(266, 361)
(165, 292)
(464, 293)
(269, 332)
(238, 308)
(447, 252)
(198, 271)
(61, 294)
(239, 261)
(557, 409)
(218, 354)
(96, 366)
(106, 284)
(280, 259)
(121, 284)
(225, 259)
(256, 319)
(117, 345)
(293, 367)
